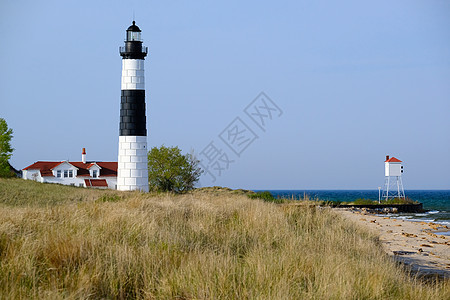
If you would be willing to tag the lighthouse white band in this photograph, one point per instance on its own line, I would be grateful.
(132, 168)
(133, 74)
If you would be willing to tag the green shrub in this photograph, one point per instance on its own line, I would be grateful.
(109, 198)
(362, 201)
(171, 171)
(399, 201)
(266, 196)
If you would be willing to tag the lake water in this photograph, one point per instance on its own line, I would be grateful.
(435, 202)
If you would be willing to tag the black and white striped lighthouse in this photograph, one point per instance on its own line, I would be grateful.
(132, 163)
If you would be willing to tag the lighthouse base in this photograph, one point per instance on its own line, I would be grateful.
(132, 173)
(393, 188)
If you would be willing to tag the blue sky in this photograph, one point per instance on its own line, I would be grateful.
(355, 81)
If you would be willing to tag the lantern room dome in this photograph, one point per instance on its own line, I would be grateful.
(134, 28)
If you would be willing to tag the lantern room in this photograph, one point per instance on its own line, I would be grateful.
(134, 33)
(393, 167)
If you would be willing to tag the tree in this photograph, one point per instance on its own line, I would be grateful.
(171, 171)
(5, 149)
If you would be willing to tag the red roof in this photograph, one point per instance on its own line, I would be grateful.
(393, 159)
(108, 169)
(46, 173)
(82, 168)
(96, 182)
(44, 167)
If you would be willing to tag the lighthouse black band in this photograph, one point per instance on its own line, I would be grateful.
(132, 113)
(133, 50)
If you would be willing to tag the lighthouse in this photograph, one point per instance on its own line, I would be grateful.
(393, 185)
(132, 172)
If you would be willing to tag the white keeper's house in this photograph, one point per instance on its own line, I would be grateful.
(77, 173)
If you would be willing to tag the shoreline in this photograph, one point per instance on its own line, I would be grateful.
(442, 223)
(419, 245)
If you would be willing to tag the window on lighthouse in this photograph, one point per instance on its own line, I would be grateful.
(134, 36)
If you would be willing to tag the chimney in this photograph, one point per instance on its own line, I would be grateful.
(83, 156)
(387, 157)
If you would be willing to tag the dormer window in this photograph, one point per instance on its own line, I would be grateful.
(68, 173)
(94, 173)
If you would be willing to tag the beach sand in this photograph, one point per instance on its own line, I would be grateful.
(414, 243)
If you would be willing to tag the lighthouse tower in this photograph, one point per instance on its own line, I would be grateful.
(132, 173)
(393, 186)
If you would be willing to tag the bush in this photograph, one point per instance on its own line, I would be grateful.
(399, 201)
(266, 196)
(362, 201)
(171, 171)
(109, 198)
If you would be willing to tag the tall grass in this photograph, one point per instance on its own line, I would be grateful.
(19, 192)
(189, 247)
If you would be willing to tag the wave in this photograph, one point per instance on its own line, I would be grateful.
(446, 223)
(402, 217)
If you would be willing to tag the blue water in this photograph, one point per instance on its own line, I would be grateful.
(435, 202)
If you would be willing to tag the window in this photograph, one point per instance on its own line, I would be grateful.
(133, 36)
(94, 173)
(81, 185)
(66, 173)
(70, 173)
(58, 173)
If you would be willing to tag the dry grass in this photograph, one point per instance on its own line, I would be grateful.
(19, 192)
(195, 246)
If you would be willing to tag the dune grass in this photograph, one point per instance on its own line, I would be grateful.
(19, 192)
(61, 242)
